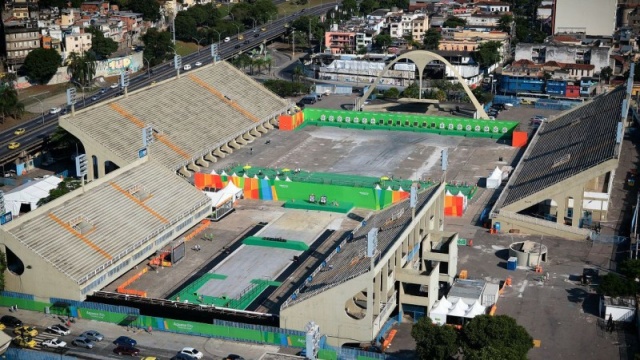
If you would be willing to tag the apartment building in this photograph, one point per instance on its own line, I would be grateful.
(402, 25)
(77, 42)
(469, 40)
(340, 42)
(95, 7)
(20, 38)
(419, 26)
(598, 56)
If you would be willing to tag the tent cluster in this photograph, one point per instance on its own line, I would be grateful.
(455, 205)
(30, 193)
(455, 307)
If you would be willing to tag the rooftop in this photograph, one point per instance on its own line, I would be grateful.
(77, 236)
(467, 289)
(352, 261)
(562, 148)
(207, 107)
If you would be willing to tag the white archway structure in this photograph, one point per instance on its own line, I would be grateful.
(421, 58)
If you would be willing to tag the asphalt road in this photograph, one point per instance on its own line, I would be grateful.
(43, 126)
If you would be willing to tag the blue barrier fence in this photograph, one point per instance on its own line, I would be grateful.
(16, 295)
(97, 306)
(23, 354)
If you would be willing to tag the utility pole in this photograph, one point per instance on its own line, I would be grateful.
(293, 42)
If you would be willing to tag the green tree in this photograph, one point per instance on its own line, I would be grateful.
(150, 9)
(262, 11)
(284, 88)
(362, 50)
(82, 68)
(434, 342)
(615, 285)
(66, 186)
(101, 46)
(41, 64)
(606, 73)
(157, 46)
(368, 6)
(412, 91)
(392, 93)
(453, 22)
(432, 39)
(10, 105)
(186, 27)
(350, 6)
(500, 332)
(298, 73)
(482, 96)
(383, 41)
(198, 13)
(505, 22)
(488, 53)
(630, 268)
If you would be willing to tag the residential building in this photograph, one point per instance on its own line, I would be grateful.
(132, 25)
(553, 78)
(401, 25)
(466, 66)
(598, 56)
(493, 6)
(469, 40)
(596, 17)
(76, 42)
(93, 7)
(20, 12)
(545, 10)
(20, 38)
(340, 42)
(419, 26)
(68, 17)
(483, 20)
(364, 39)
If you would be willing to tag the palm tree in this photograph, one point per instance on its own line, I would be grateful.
(82, 68)
(298, 73)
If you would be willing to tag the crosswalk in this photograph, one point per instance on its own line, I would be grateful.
(43, 335)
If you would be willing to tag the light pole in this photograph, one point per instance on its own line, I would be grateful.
(254, 22)
(84, 101)
(238, 26)
(217, 32)
(148, 67)
(41, 105)
(198, 40)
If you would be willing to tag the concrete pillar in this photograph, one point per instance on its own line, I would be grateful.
(226, 149)
(385, 278)
(274, 121)
(234, 144)
(261, 129)
(193, 167)
(90, 168)
(255, 132)
(377, 294)
(248, 137)
(578, 196)
(202, 162)
(101, 168)
(561, 209)
(241, 141)
(219, 153)
(184, 172)
(210, 158)
(267, 126)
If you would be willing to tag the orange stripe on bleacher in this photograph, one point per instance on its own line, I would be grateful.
(220, 96)
(139, 123)
(122, 289)
(142, 205)
(202, 227)
(80, 236)
(127, 115)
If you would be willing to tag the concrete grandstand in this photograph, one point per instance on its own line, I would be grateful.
(563, 182)
(197, 118)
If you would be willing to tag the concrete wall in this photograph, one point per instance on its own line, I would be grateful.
(596, 17)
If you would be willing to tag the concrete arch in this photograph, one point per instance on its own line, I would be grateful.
(421, 58)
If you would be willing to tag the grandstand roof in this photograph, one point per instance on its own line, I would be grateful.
(116, 215)
(192, 115)
(574, 142)
(351, 261)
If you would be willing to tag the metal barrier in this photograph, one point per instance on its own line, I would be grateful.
(608, 239)
(24, 354)
(16, 295)
(97, 306)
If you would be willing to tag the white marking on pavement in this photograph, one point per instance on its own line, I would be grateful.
(524, 285)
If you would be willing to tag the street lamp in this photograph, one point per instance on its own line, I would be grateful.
(217, 32)
(84, 100)
(238, 26)
(41, 104)
(254, 22)
(198, 40)
(148, 67)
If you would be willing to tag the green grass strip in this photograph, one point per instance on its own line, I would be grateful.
(287, 244)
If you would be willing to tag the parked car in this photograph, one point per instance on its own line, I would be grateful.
(59, 329)
(83, 342)
(538, 119)
(181, 356)
(191, 352)
(54, 343)
(9, 320)
(126, 350)
(233, 357)
(92, 335)
(26, 331)
(526, 102)
(125, 341)
(24, 342)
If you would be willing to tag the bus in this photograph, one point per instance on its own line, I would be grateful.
(532, 96)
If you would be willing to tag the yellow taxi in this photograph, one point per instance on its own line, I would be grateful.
(24, 342)
(13, 145)
(526, 102)
(148, 358)
(20, 131)
(2, 326)
(26, 331)
(264, 28)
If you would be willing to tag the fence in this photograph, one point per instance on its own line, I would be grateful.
(608, 239)
(553, 104)
(24, 354)
(504, 99)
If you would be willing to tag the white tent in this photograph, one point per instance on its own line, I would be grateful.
(459, 308)
(439, 311)
(475, 310)
(29, 193)
(495, 179)
(229, 192)
(465, 200)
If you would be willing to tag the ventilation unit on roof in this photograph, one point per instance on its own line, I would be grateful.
(81, 224)
(139, 192)
(561, 160)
